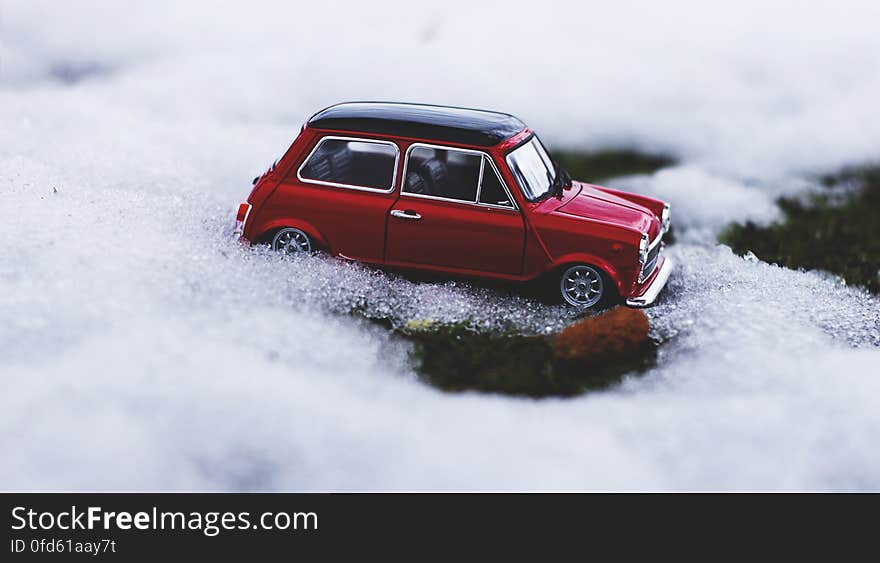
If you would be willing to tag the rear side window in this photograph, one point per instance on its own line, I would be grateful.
(351, 163)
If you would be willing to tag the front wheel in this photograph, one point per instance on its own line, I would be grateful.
(582, 286)
(290, 240)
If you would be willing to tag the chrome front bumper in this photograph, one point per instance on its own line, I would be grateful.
(656, 286)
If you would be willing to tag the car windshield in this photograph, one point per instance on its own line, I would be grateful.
(533, 168)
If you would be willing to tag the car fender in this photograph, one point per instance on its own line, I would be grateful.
(585, 258)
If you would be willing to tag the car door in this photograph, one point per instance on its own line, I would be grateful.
(344, 190)
(454, 212)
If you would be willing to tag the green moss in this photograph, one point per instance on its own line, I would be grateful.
(837, 230)
(455, 358)
(595, 166)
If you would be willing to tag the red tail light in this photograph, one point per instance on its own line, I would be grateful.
(241, 218)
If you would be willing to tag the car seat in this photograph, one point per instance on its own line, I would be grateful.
(341, 161)
(415, 183)
(319, 167)
(436, 177)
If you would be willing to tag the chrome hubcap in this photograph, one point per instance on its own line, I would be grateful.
(291, 240)
(581, 286)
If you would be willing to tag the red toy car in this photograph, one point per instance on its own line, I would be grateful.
(458, 191)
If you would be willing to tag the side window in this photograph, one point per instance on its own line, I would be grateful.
(491, 190)
(444, 173)
(347, 162)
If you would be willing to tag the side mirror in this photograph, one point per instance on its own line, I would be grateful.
(254, 183)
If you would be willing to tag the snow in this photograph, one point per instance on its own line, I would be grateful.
(143, 349)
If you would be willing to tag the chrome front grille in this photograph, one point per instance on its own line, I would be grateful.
(652, 259)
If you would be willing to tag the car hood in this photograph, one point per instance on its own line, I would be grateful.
(590, 202)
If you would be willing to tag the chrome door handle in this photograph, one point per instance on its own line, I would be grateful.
(412, 215)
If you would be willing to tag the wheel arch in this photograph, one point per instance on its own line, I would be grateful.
(269, 229)
(604, 266)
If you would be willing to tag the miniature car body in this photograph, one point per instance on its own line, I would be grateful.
(457, 191)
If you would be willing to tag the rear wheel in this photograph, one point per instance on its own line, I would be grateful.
(290, 240)
(583, 286)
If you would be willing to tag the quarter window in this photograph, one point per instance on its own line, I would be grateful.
(492, 190)
(352, 163)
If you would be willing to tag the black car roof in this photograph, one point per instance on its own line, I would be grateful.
(441, 123)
